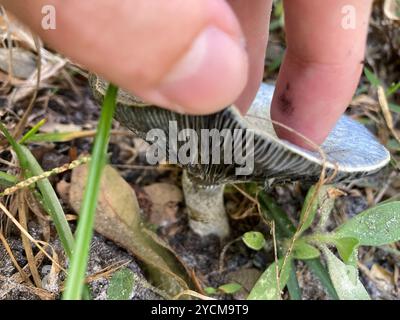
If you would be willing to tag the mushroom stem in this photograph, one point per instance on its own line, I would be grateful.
(206, 208)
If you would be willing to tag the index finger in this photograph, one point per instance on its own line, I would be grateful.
(325, 51)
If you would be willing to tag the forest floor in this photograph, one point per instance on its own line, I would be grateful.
(64, 99)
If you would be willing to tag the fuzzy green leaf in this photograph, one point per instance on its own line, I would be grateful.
(344, 278)
(304, 251)
(266, 287)
(346, 248)
(7, 180)
(372, 78)
(374, 227)
(312, 203)
(121, 285)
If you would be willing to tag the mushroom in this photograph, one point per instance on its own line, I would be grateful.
(236, 148)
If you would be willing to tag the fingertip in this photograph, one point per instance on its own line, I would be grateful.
(209, 77)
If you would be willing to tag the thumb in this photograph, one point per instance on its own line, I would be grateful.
(187, 56)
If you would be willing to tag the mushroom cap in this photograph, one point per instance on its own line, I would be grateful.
(349, 152)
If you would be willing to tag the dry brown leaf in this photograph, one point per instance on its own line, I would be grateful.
(164, 198)
(118, 218)
(62, 188)
(23, 62)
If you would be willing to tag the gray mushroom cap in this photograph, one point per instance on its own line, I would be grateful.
(350, 150)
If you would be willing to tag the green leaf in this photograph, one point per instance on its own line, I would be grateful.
(59, 136)
(7, 180)
(311, 204)
(230, 288)
(304, 251)
(346, 248)
(84, 231)
(285, 228)
(393, 144)
(121, 285)
(32, 131)
(344, 278)
(394, 107)
(254, 240)
(372, 78)
(275, 64)
(374, 227)
(395, 87)
(293, 284)
(51, 201)
(210, 290)
(266, 287)
(271, 211)
(353, 259)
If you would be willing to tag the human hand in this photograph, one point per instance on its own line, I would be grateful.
(199, 56)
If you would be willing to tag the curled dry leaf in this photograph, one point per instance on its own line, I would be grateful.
(118, 219)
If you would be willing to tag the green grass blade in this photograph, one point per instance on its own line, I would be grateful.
(60, 136)
(7, 180)
(77, 270)
(293, 284)
(393, 89)
(32, 132)
(372, 78)
(51, 202)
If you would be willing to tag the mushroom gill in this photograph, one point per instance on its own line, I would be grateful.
(240, 148)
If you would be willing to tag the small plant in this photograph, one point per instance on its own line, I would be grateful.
(310, 242)
(121, 285)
